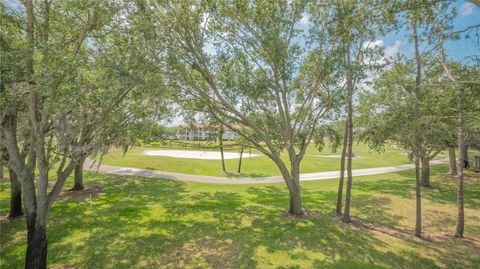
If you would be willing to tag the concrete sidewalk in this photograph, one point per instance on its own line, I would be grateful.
(130, 171)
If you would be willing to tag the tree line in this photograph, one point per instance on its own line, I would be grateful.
(78, 77)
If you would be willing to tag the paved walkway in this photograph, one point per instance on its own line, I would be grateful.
(130, 171)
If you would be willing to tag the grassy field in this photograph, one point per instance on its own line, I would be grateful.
(149, 223)
(258, 166)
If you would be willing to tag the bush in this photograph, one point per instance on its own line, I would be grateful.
(155, 144)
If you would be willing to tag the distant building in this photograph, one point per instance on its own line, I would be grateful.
(202, 132)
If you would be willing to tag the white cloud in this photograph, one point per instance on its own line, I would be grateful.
(373, 44)
(391, 51)
(467, 9)
(209, 48)
(305, 19)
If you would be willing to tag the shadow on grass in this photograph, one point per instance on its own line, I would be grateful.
(151, 223)
(251, 175)
(443, 190)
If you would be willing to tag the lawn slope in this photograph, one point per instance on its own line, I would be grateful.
(133, 222)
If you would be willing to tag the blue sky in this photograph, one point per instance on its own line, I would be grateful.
(468, 14)
(396, 42)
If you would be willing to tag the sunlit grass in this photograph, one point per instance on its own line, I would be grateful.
(152, 223)
(258, 166)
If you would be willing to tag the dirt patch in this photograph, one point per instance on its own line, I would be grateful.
(305, 215)
(203, 252)
(472, 176)
(6, 219)
(442, 236)
(437, 237)
(380, 228)
(468, 176)
(86, 194)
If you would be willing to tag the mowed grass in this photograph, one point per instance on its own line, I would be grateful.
(257, 166)
(152, 223)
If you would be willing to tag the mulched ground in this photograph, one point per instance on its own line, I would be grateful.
(88, 193)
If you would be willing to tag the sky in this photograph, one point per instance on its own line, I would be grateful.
(468, 14)
(396, 42)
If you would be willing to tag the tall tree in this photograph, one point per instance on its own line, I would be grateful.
(464, 87)
(389, 113)
(420, 16)
(11, 53)
(453, 164)
(464, 90)
(255, 76)
(56, 51)
(342, 171)
(220, 140)
(461, 146)
(15, 188)
(350, 29)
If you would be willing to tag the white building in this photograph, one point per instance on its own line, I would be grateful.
(202, 132)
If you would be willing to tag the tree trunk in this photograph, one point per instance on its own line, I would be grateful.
(36, 255)
(2, 148)
(425, 172)
(346, 211)
(220, 138)
(460, 207)
(418, 199)
(295, 200)
(465, 157)
(342, 171)
(78, 176)
(15, 196)
(1, 164)
(462, 152)
(460, 142)
(240, 161)
(453, 161)
(294, 190)
(418, 144)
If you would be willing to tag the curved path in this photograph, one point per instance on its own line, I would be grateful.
(130, 171)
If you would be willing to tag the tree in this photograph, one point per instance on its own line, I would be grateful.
(15, 196)
(37, 197)
(464, 87)
(342, 170)
(15, 190)
(417, 16)
(460, 87)
(350, 31)
(2, 154)
(125, 90)
(257, 76)
(389, 113)
(220, 140)
(56, 51)
(12, 50)
(461, 147)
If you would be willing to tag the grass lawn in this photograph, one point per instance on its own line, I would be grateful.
(258, 166)
(149, 223)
